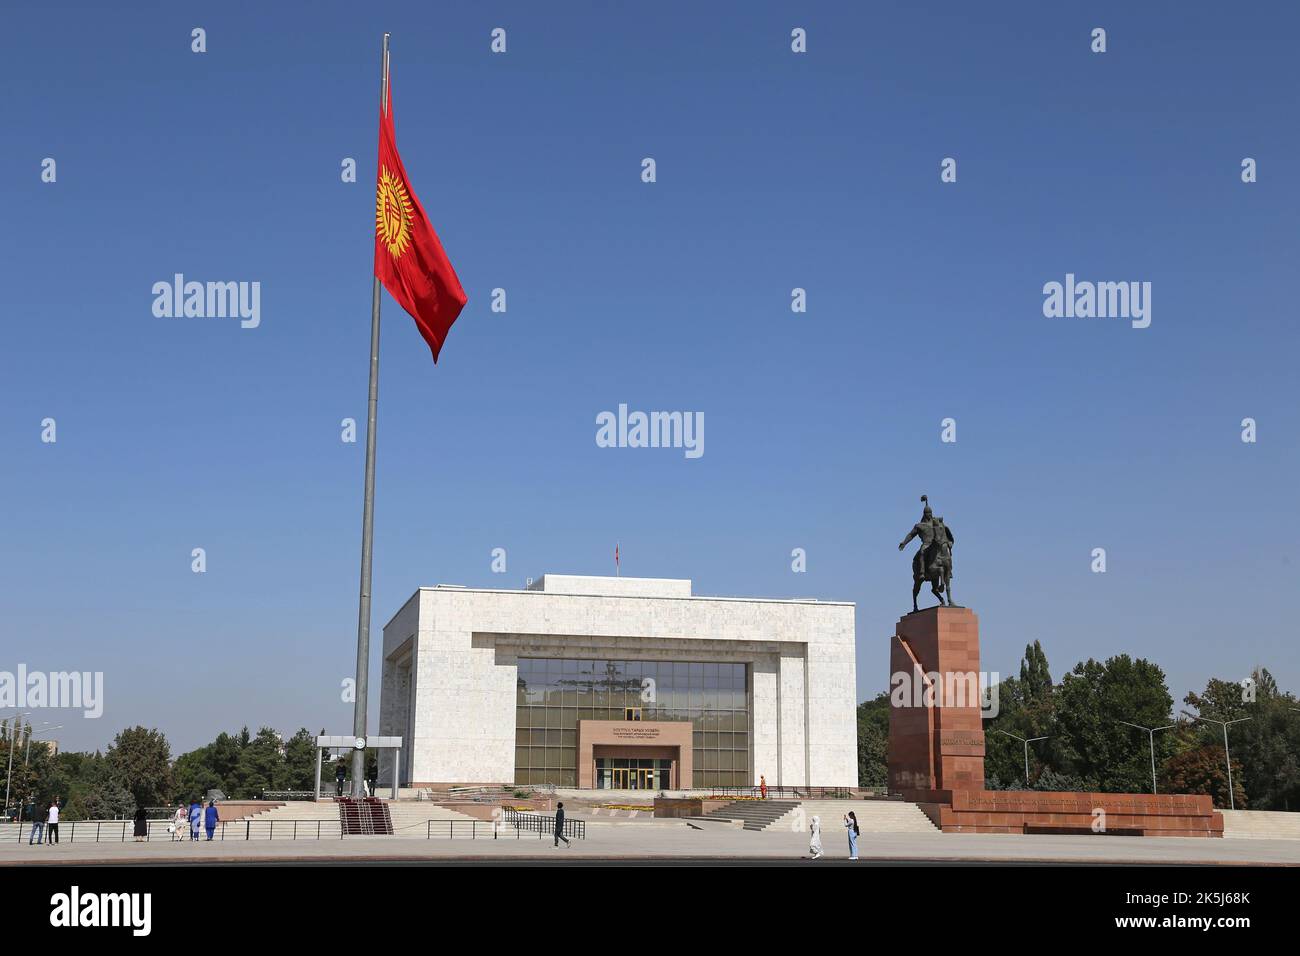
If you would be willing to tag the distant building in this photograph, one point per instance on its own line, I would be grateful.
(619, 683)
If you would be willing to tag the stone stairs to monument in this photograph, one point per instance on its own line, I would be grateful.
(755, 814)
(407, 818)
(411, 818)
(1261, 825)
(874, 816)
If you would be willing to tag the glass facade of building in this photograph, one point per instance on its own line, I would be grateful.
(554, 694)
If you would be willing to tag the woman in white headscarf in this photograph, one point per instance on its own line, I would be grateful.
(815, 841)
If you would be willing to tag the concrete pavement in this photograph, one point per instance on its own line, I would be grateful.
(654, 843)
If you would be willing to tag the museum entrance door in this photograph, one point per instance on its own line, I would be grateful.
(632, 773)
(628, 779)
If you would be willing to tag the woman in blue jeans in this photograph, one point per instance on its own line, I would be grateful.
(851, 824)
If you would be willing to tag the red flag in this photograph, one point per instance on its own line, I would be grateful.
(409, 260)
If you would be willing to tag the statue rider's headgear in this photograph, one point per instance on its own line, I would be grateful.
(927, 513)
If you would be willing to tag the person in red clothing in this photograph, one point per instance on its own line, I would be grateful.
(762, 786)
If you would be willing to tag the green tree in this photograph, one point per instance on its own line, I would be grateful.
(1025, 709)
(873, 741)
(1090, 703)
(1035, 677)
(99, 792)
(300, 761)
(261, 766)
(141, 760)
(1203, 770)
(1267, 745)
(194, 776)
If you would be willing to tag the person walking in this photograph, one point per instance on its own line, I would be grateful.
(762, 787)
(141, 828)
(559, 826)
(179, 820)
(196, 814)
(38, 824)
(815, 839)
(851, 824)
(52, 823)
(210, 819)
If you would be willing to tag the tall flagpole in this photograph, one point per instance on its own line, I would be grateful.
(368, 517)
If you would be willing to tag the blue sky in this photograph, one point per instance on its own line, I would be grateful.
(775, 171)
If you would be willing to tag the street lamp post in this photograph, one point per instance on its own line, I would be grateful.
(18, 722)
(1151, 738)
(27, 755)
(1232, 802)
(1026, 742)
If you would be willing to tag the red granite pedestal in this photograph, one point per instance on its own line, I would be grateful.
(936, 750)
(936, 735)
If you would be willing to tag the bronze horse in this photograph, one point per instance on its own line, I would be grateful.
(933, 560)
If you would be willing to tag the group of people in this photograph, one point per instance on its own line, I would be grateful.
(815, 828)
(341, 776)
(815, 842)
(45, 825)
(197, 816)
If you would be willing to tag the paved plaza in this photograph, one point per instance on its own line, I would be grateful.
(665, 843)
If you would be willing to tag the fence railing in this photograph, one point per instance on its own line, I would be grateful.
(467, 829)
(159, 831)
(782, 793)
(287, 796)
(543, 825)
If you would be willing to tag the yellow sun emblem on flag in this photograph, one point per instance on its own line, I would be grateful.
(393, 213)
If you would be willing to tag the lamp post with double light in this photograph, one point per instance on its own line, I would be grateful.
(1026, 741)
(1227, 754)
(1151, 737)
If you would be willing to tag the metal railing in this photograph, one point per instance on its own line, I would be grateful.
(544, 824)
(122, 831)
(158, 831)
(451, 829)
(782, 793)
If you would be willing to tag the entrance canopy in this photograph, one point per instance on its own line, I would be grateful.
(348, 742)
(634, 754)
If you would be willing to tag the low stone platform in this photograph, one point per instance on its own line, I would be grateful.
(1029, 811)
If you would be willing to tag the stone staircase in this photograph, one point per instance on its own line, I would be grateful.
(411, 819)
(1261, 825)
(755, 814)
(874, 816)
(408, 818)
(299, 810)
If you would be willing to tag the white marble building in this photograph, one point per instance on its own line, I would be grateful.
(767, 686)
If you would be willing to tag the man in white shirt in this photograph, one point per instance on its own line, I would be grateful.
(52, 823)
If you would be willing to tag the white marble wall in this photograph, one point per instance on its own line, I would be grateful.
(466, 642)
